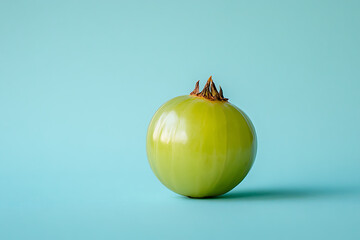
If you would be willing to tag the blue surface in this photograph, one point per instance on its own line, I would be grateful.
(80, 81)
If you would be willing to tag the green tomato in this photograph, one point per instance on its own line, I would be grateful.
(199, 147)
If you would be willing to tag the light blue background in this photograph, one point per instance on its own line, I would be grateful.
(80, 81)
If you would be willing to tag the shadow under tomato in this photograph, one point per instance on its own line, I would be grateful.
(283, 193)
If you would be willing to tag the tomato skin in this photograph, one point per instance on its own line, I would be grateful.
(200, 148)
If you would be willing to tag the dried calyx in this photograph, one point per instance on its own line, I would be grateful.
(209, 92)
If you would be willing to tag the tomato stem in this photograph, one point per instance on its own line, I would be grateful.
(209, 91)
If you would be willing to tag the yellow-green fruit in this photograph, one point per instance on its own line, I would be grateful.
(199, 147)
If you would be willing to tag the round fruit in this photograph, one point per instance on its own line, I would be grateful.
(200, 145)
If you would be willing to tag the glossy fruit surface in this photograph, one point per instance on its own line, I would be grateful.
(200, 148)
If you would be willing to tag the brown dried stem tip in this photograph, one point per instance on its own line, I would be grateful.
(209, 91)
